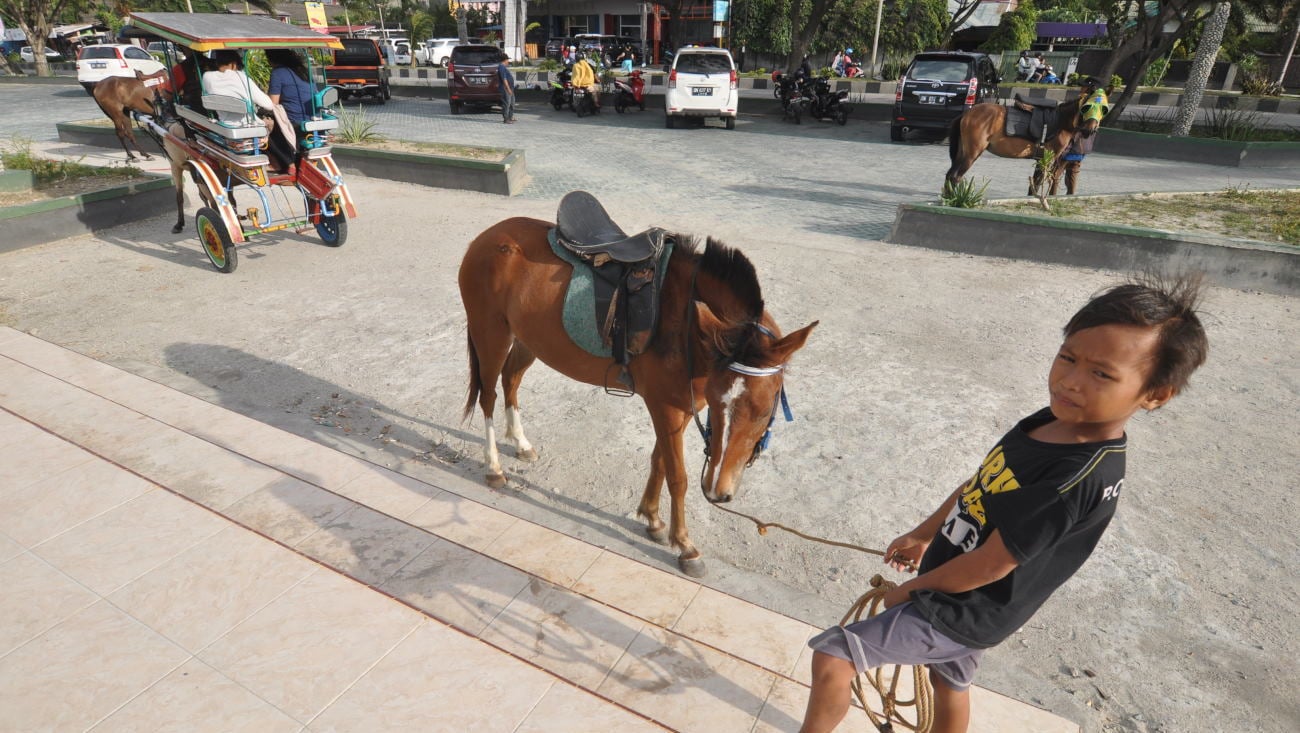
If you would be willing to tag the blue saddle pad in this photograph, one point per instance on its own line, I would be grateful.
(580, 299)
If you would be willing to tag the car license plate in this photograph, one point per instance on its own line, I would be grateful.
(98, 64)
(701, 91)
(930, 99)
(477, 81)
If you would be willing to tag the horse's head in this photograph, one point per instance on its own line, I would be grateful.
(744, 391)
(1092, 108)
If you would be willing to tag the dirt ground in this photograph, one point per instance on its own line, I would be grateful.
(1183, 620)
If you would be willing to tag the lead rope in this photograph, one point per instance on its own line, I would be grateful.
(886, 686)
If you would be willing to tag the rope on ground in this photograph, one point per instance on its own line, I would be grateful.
(886, 686)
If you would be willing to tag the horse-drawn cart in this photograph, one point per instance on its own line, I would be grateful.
(222, 155)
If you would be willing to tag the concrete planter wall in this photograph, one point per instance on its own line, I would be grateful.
(1198, 149)
(1231, 263)
(39, 222)
(505, 178)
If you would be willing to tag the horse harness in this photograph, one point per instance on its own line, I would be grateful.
(626, 289)
(706, 430)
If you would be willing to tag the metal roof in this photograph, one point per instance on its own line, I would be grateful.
(210, 31)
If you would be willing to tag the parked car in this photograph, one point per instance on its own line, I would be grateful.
(435, 51)
(359, 70)
(555, 47)
(27, 55)
(702, 83)
(472, 76)
(95, 63)
(937, 87)
(396, 50)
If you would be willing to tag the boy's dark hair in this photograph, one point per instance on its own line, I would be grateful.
(1167, 304)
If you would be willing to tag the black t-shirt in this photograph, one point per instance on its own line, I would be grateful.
(1051, 502)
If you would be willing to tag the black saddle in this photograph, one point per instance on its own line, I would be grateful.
(1033, 118)
(627, 290)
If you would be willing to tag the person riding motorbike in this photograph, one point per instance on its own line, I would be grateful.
(585, 77)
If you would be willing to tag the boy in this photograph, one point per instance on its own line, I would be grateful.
(1031, 515)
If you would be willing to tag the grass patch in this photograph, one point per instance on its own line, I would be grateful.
(1265, 216)
(445, 149)
(17, 154)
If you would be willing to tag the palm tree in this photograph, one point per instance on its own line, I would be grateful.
(1206, 52)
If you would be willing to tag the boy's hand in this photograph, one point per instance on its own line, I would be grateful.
(904, 553)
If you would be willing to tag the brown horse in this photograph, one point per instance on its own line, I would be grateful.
(716, 345)
(119, 96)
(983, 127)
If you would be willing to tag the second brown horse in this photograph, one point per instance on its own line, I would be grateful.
(983, 127)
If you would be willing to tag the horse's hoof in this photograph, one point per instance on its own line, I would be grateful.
(496, 480)
(177, 229)
(693, 566)
(659, 535)
(527, 456)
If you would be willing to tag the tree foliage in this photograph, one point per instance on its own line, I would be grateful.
(1016, 30)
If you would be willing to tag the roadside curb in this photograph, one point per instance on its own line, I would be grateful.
(28, 225)
(1198, 149)
(1233, 263)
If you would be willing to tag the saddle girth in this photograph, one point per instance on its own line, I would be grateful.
(626, 286)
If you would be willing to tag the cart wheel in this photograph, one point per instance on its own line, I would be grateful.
(216, 240)
(333, 230)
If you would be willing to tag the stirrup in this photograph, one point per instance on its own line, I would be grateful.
(625, 385)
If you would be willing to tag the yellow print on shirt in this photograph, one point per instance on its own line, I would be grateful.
(994, 477)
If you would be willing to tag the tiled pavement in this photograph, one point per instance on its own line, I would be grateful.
(171, 565)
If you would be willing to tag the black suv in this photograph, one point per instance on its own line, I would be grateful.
(937, 87)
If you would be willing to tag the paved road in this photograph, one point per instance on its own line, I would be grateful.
(815, 177)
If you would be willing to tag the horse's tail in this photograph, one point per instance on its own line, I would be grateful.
(475, 381)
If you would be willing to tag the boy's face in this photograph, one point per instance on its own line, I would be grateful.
(1096, 381)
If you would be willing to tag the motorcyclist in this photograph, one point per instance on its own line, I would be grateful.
(585, 77)
(805, 69)
(848, 63)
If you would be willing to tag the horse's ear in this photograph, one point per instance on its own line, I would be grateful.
(782, 350)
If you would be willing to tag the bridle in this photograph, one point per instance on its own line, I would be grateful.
(706, 431)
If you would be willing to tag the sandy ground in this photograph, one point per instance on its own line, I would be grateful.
(1183, 620)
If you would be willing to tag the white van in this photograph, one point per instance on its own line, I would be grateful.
(702, 83)
(435, 51)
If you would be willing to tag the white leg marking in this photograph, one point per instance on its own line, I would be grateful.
(515, 430)
(490, 455)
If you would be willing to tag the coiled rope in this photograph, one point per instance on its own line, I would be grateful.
(885, 685)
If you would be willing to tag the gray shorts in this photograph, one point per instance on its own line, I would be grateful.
(900, 635)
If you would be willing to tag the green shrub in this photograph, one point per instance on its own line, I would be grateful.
(16, 154)
(355, 128)
(1232, 124)
(548, 64)
(964, 195)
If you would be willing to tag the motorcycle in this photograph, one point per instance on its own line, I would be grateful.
(562, 90)
(853, 71)
(630, 92)
(786, 89)
(584, 103)
(826, 104)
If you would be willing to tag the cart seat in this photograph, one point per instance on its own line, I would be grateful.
(223, 129)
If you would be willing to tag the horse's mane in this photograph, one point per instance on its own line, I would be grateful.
(736, 341)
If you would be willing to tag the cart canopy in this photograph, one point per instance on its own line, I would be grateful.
(212, 31)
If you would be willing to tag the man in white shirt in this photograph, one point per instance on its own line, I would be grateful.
(228, 80)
